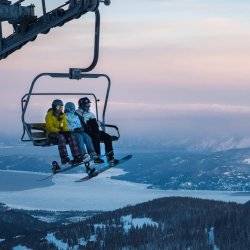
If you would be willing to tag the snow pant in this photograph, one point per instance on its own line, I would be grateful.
(107, 139)
(62, 139)
(84, 140)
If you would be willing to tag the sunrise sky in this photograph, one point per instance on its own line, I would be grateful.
(177, 66)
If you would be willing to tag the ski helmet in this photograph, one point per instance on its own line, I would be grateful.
(56, 104)
(70, 107)
(83, 101)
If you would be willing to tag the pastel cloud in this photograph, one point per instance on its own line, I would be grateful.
(182, 55)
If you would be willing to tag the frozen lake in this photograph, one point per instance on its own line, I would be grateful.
(19, 181)
(22, 190)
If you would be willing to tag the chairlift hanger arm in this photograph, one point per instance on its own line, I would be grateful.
(27, 26)
(75, 73)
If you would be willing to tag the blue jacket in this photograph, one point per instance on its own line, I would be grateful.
(72, 118)
(73, 121)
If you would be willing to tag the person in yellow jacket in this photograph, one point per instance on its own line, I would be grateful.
(57, 129)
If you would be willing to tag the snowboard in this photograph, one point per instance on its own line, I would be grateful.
(105, 168)
(64, 168)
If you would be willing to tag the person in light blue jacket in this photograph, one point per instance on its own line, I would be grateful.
(74, 125)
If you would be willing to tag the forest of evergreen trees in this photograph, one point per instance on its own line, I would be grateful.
(179, 223)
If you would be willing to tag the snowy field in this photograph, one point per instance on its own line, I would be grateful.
(22, 190)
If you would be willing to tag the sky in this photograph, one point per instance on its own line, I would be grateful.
(180, 69)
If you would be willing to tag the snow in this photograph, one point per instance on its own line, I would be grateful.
(20, 247)
(211, 236)
(129, 222)
(6, 147)
(82, 242)
(247, 161)
(211, 239)
(48, 219)
(18, 236)
(186, 184)
(59, 244)
(101, 226)
(92, 237)
(77, 218)
(100, 193)
(140, 222)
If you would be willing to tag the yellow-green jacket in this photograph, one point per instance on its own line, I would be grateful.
(55, 124)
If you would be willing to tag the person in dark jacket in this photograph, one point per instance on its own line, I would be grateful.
(58, 131)
(91, 127)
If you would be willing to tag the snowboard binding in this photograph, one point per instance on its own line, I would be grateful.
(91, 171)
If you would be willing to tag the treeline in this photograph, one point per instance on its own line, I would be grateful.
(179, 223)
(183, 223)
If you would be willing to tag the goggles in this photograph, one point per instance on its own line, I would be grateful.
(59, 107)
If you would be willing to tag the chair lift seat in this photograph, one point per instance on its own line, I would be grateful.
(40, 135)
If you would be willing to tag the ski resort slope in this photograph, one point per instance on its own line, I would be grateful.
(100, 193)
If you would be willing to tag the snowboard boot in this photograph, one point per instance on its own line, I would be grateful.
(77, 160)
(65, 160)
(111, 159)
(98, 160)
(93, 156)
(86, 158)
(55, 167)
(91, 171)
(113, 162)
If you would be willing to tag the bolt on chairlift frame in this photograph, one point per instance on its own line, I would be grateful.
(27, 127)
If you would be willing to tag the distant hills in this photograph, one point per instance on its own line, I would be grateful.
(174, 169)
(226, 170)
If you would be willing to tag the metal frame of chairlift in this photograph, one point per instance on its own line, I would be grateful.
(42, 24)
(76, 74)
(27, 127)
